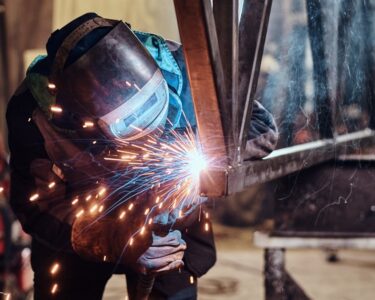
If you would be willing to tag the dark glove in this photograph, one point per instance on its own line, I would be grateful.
(262, 135)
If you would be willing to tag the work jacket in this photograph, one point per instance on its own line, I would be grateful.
(49, 219)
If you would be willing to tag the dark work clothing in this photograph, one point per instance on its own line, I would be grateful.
(78, 279)
(49, 222)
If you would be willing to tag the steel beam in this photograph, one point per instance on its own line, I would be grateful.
(292, 159)
(226, 20)
(213, 30)
(320, 69)
(195, 39)
(296, 241)
(252, 35)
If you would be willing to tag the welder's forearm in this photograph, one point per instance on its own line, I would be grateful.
(41, 225)
(107, 239)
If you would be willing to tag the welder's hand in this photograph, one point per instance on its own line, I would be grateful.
(165, 254)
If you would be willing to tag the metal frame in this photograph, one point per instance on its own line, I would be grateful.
(195, 38)
(279, 284)
(223, 89)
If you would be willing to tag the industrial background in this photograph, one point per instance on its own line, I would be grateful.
(311, 202)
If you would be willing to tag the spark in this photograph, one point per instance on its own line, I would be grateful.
(136, 128)
(102, 191)
(143, 229)
(54, 288)
(122, 215)
(80, 213)
(131, 206)
(88, 198)
(56, 109)
(55, 268)
(51, 86)
(206, 227)
(1, 189)
(34, 197)
(131, 241)
(94, 142)
(191, 280)
(150, 221)
(52, 185)
(147, 211)
(88, 124)
(101, 207)
(29, 120)
(75, 201)
(93, 208)
(105, 258)
(137, 87)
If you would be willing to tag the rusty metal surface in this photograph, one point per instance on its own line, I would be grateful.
(320, 70)
(194, 37)
(252, 34)
(296, 158)
(335, 199)
(279, 284)
(226, 19)
(214, 33)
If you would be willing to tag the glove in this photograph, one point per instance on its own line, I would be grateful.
(262, 134)
(164, 254)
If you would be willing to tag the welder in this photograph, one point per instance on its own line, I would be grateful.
(100, 84)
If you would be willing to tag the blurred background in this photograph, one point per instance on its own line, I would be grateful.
(286, 88)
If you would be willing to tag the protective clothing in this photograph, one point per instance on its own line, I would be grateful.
(32, 166)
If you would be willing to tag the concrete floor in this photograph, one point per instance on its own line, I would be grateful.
(238, 272)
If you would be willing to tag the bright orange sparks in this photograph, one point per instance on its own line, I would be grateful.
(55, 268)
(51, 86)
(52, 185)
(102, 191)
(88, 124)
(34, 197)
(122, 215)
(54, 288)
(93, 208)
(80, 213)
(143, 230)
(56, 109)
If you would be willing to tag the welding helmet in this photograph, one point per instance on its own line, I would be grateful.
(114, 88)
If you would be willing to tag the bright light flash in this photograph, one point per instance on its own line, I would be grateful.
(56, 109)
(196, 163)
(34, 197)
